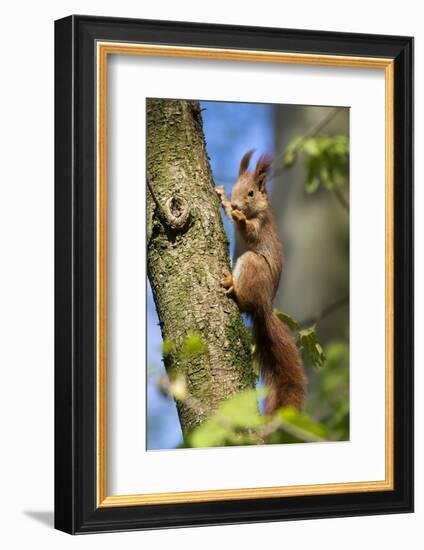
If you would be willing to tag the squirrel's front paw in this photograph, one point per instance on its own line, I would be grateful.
(220, 191)
(238, 216)
(227, 281)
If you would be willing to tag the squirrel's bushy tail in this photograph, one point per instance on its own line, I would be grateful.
(280, 362)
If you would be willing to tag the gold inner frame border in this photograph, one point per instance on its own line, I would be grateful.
(103, 50)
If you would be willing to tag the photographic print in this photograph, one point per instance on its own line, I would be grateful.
(233, 274)
(248, 273)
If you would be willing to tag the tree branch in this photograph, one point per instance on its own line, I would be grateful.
(316, 128)
(331, 308)
(341, 199)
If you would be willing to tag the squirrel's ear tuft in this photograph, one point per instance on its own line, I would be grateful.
(244, 164)
(263, 168)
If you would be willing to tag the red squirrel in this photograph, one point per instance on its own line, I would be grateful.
(255, 280)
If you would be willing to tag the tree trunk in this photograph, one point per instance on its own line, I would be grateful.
(187, 255)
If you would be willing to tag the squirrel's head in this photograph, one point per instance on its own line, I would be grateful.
(249, 191)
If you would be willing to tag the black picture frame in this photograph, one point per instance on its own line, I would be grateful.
(76, 510)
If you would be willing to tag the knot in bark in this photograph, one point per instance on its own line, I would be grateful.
(177, 212)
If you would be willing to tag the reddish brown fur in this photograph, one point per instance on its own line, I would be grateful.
(244, 163)
(255, 280)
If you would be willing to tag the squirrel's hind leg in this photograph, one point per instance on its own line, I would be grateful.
(228, 283)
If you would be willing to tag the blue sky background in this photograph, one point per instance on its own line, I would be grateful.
(230, 130)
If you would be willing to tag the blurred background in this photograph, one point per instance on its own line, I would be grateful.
(309, 194)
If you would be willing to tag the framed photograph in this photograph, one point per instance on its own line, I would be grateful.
(234, 274)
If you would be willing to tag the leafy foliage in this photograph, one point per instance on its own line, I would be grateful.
(167, 348)
(287, 319)
(311, 350)
(193, 347)
(233, 423)
(238, 422)
(242, 409)
(307, 340)
(326, 160)
(295, 427)
(326, 163)
(330, 400)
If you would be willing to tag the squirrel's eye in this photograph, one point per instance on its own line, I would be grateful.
(250, 193)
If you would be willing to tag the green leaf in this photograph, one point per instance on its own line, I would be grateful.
(290, 155)
(193, 347)
(304, 422)
(242, 409)
(311, 184)
(232, 424)
(326, 160)
(325, 175)
(167, 347)
(209, 434)
(311, 146)
(309, 346)
(340, 145)
(289, 159)
(287, 319)
(313, 167)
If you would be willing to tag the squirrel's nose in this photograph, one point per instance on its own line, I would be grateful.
(234, 206)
